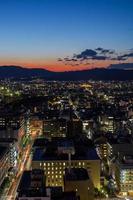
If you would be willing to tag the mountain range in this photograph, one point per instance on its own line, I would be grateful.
(113, 72)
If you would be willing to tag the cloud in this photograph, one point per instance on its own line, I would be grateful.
(77, 64)
(87, 63)
(99, 49)
(99, 57)
(104, 51)
(123, 57)
(70, 59)
(60, 59)
(119, 58)
(98, 54)
(86, 54)
(129, 55)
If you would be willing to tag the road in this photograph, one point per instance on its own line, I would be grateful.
(25, 165)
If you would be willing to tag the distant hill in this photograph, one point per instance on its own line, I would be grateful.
(17, 72)
(126, 66)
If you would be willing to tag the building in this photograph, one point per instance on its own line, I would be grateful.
(32, 186)
(13, 126)
(13, 151)
(54, 128)
(4, 163)
(36, 125)
(101, 146)
(74, 128)
(123, 169)
(58, 155)
(77, 179)
(107, 123)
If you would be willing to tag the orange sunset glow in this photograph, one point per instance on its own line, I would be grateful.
(54, 65)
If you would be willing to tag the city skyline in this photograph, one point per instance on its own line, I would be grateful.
(66, 35)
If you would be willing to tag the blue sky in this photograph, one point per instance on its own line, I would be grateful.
(40, 31)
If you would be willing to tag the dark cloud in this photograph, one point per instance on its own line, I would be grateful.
(70, 59)
(99, 57)
(77, 64)
(124, 56)
(105, 51)
(129, 55)
(87, 63)
(99, 49)
(97, 54)
(66, 59)
(112, 52)
(86, 54)
(60, 59)
(120, 58)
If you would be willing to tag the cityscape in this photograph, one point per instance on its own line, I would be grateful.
(61, 140)
(66, 100)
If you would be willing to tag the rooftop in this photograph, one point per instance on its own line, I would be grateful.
(51, 153)
(37, 189)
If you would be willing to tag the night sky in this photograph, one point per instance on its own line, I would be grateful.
(66, 34)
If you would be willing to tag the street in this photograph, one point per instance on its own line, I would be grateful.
(25, 165)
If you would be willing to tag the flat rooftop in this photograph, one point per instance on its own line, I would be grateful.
(25, 187)
(51, 154)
